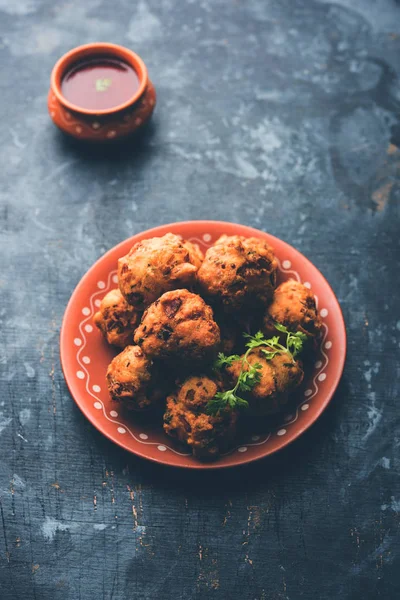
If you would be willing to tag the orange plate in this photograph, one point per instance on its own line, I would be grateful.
(85, 356)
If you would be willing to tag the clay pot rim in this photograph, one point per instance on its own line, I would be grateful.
(92, 50)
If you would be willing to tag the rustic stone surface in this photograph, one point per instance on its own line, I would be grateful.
(283, 115)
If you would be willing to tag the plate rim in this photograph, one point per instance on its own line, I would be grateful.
(216, 465)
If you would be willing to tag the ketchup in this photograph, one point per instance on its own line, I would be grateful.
(99, 83)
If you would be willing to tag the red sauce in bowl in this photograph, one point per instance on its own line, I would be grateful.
(99, 83)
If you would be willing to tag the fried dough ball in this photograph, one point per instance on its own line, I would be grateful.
(116, 319)
(238, 272)
(155, 266)
(133, 380)
(187, 421)
(179, 325)
(293, 305)
(279, 376)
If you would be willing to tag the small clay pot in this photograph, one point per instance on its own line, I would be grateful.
(106, 124)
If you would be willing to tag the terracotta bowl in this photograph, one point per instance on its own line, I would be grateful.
(107, 124)
(85, 357)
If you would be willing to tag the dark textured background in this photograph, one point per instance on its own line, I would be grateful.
(280, 114)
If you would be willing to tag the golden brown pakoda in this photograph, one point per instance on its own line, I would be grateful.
(238, 273)
(278, 376)
(179, 325)
(293, 305)
(133, 380)
(187, 421)
(116, 319)
(155, 266)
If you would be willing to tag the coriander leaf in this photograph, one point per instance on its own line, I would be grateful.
(295, 342)
(258, 336)
(246, 385)
(250, 377)
(225, 361)
(269, 355)
(280, 327)
(241, 402)
(222, 400)
(217, 403)
(255, 340)
(250, 374)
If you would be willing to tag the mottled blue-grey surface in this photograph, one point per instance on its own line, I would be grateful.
(280, 114)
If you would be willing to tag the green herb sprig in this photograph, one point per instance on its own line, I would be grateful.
(250, 374)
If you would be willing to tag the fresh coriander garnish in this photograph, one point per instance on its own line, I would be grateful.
(293, 344)
(245, 382)
(250, 374)
(225, 361)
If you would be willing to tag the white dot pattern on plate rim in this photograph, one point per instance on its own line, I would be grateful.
(207, 237)
(318, 364)
(80, 375)
(162, 448)
(308, 392)
(143, 436)
(305, 407)
(322, 377)
(88, 328)
(328, 345)
(86, 360)
(96, 388)
(281, 432)
(323, 312)
(286, 264)
(98, 405)
(97, 302)
(86, 311)
(115, 278)
(242, 449)
(101, 285)
(307, 284)
(121, 430)
(113, 413)
(77, 341)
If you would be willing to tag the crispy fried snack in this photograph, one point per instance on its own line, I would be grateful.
(116, 319)
(179, 325)
(155, 266)
(279, 376)
(238, 273)
(186, 419)
(293, 305)
(133, 380)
